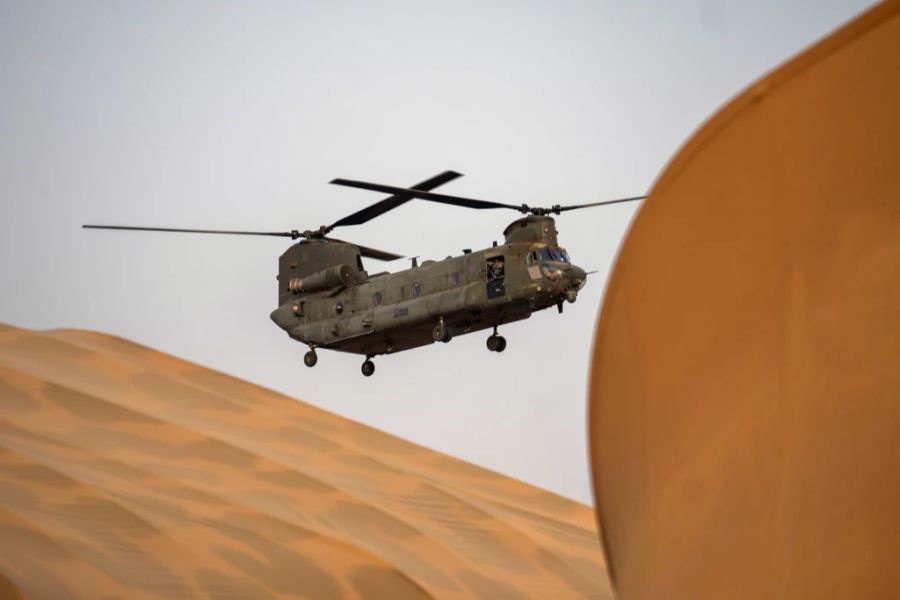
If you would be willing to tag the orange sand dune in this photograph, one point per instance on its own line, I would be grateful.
(127, 472)
(745, 394)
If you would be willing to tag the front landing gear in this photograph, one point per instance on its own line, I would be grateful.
(368, 367)
(496, 342)
(310, 358)
(441, 333)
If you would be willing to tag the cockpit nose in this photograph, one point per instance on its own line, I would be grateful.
(565, 278)
(576, 277)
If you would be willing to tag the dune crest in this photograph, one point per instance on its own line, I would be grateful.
(745, 392)
(132, 473)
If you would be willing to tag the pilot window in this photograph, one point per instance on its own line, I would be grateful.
(547, 253)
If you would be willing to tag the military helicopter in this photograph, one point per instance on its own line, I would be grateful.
(326, 299)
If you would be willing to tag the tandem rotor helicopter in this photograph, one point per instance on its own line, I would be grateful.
(326, 299)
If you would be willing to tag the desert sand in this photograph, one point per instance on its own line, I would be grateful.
(745, 394)
(131, 473)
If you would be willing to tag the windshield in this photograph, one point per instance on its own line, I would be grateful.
(548, 253)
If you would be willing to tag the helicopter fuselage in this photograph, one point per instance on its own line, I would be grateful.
(336, 305)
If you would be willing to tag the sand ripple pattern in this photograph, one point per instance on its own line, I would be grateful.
(125, 472)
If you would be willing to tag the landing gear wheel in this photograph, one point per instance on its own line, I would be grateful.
(368, 368)
(496, 343)
(310, 358)
(441, 333)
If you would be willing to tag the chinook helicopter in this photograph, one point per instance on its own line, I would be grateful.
(327, 300)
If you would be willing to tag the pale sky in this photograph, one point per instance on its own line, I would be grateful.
(237, 114)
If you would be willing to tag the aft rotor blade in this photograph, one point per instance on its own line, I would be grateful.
(368, 252)
(577, 206)
(379, 208)
(290, 234)
(442, 198)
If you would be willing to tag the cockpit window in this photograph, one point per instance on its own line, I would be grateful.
(548, 253)
(559, 254)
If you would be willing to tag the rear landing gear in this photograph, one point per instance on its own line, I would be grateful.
(368, 367)
(496, 342)
(310, 358)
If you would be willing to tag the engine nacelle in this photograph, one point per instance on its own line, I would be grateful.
(336, 276)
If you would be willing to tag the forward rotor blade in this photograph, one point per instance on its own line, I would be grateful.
(290, 234)
(577, 206)
(379, 208)
(442, 198)
(368, 252)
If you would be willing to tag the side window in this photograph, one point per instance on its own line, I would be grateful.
(377, 297)
(416, 288)
(495, 274)
(495, 268)
(454, 279)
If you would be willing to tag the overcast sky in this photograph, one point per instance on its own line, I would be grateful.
(236, 115)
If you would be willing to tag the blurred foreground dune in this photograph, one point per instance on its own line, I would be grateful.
(126, 472)
(745, 394)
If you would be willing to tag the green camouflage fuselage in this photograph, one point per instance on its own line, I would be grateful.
(327, 300)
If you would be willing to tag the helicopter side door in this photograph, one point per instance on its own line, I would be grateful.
(496, 276)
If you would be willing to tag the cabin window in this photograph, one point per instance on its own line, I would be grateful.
(495, 268)
(377, 297)
(454, 279)
(416, 288)
(495, 273)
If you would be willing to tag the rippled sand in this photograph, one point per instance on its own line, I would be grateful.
(127, 472)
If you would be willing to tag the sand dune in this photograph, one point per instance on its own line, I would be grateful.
(127, 472)
(745, 394)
